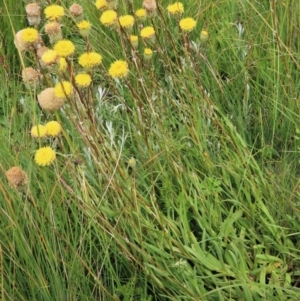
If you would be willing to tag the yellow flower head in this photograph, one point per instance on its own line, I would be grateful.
(147, 32)
(148, 54)
(63, 89)
(132, 162)
(141, 14)
(38, 131)
(53, 128)
(84, 25)
(134, 40)
(83, 80)
(126, 21)
(109, 17)
(118, 69)
(44, 156)
(101, 4)
(84, 28)
(62, 64)
(29, 35)
(54, 12)
(176, 8)
(89, 60)
(204, 36)
(187, 24)
(64, 48)
(49, 57)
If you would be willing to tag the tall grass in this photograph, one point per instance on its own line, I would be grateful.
(180, 182)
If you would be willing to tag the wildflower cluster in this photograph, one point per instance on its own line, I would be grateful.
(70, 69)
(45, 155)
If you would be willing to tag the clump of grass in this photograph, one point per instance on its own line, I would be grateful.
(168, 168)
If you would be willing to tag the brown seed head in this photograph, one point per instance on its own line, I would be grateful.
(150, 5)
(30, 75)
(16, 176)
(76, 10)
(48, 101)
(33, 10)
(52, 28)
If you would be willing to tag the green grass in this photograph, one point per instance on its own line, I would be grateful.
(211, 209)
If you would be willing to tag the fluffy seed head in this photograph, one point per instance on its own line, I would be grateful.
(76, 10)
(48, 101)
(16, 176)
(149, 5)
(30, 75)
(33, 12)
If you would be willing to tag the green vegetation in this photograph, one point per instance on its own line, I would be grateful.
(179, 181)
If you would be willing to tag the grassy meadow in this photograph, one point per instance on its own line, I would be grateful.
(175, 175)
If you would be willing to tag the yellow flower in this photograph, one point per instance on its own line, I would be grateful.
(83, 80)
(108, 18)
(53, 128)
(29, 35)
(204, 36)
(62, 64)
(16, 176)
(63, 89)
(84, 28)
(134, 40)
(101, 4)
(44, 156)
(187, 24)
(147, 32)
(84, 25)
(126, 21)
(118, 69)
(38, 131)
(132, 162)
(176, 8)
(54, 12)
(89, 60)
(141, 14)
(64, 48)
(49, 57)
(147, 54)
